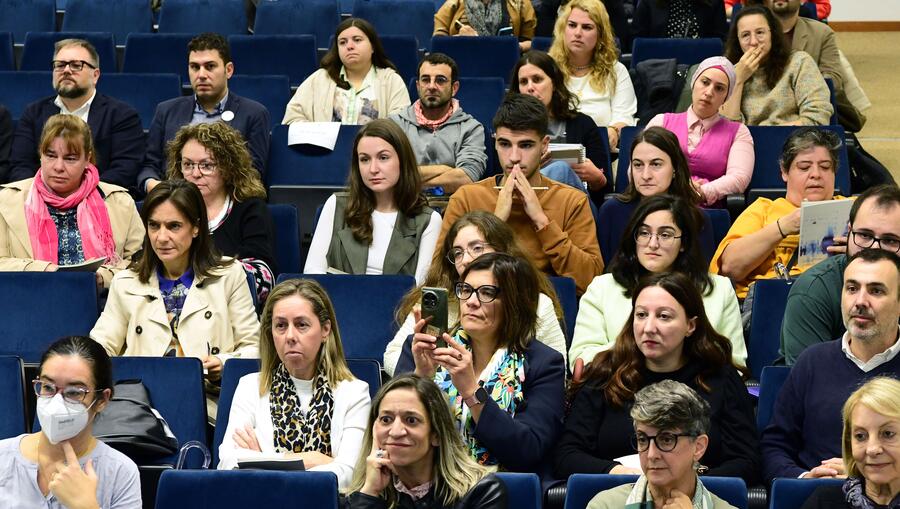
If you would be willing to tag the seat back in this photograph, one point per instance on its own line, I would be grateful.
(223, 17)
(157, 53)
(581, 488)
(143, 92)
(217, 489)
(19, 89)
(523, 490)
(22, 16)
(568, 299)
(313, 17)
(541, 43)
(367, 370)
(232, 372)
(770, 382)
(685, 51)
(625, 138)
(7, 62)
(293, 56)
(497, 55)
(272, 91)
(287, 237)
(767, 313)
(792, 493)
(121, 17)
(480, 97)
(364, 306)
(12, 404)
(403, 51)
(46, 307)
(721, 223)
(38, 51)
(309, 165)
(417, 18)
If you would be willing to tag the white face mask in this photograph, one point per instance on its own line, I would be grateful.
(61, 420)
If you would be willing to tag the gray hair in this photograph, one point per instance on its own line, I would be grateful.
(806, 138)
(671, 405)
(65, 43)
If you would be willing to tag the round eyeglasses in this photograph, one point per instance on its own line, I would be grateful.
(71, 393)
(665, 238)
(665, 441)
(457, 254)
(485, 293)
(205, 167)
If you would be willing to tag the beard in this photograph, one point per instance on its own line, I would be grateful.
(70, 90)
(435, 102)
(872, 330)
(788, 7)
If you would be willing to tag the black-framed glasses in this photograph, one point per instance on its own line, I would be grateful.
(74, 65)
(866, 240)
(205, 167)
(456, 254)
(665, 237)
(71, 393)
(665, 441)
(485, 293)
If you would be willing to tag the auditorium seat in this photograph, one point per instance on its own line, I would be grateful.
(18, 89)
(12, 404)
(626, 135)
(399, 17)
(523, 489)
(232, 489)
(37, 54)
(685, 51)
(22, 16)
(142, 91)
(120, 17)
(157, 53)
(272, 91)
(314, 17)
(293, 56)
(403, 52)
(287, 237)
(770, 382)
(792, 493)
(767, 313)
(7, 63)
(581, 488)
(224, 17)
(497, 55)
(568, 299)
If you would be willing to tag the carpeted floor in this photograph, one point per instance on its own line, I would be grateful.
(875, 56)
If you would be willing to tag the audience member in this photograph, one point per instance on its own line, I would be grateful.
(719, 151)
(667, 337)
(536, 74)
(660, 237)
(487, 17)
(209, 68)
(823, 7)
(505, 388)
(304, 403)
(414, 457)
(552, 221)
(356, 83)
(656, 166)
(118, 136)
(214, 157)
(583, 47)
(64, 215)
(665, 413)
(775, 85)
(804, 436)
(63, 465)
(447, 141)
(547, 11)
(763, 241)
(179, 298)
(6, 136)
(869, 445)
(383, 224)
(813, 311)
(680, 19)
(470, 236)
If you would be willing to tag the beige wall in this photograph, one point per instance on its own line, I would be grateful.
(865, 10)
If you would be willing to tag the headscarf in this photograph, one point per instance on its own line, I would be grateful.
(720, 63)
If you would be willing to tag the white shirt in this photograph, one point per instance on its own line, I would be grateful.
(81, 112)
(875, 361)
(605, 108)
(348, 425)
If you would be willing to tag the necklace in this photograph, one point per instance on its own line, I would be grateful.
(581, 67)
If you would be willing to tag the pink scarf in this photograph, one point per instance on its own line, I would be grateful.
(93, 219)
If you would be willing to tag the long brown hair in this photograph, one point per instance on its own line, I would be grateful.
(563, 103)
(618, 371)
(331, 62)
(779, 55)
(408, 196)
(666, 141)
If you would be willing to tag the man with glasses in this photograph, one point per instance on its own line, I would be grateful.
(813, 311)
(209, 68)
(448, 142)
(119, 141)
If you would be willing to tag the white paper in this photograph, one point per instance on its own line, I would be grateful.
(630, 461)
(85, 266)
(320, 134)
(820, 222)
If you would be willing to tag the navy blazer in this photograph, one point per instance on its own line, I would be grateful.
(251, 119)
(522, 442)
(119, 141)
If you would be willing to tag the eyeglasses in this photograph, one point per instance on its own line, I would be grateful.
(438, 80)
(867, 240)
(665, 238)
(74, 65)
(665, 441)
(475, 250)
(485, 293)
(72, 394)
(205, 167)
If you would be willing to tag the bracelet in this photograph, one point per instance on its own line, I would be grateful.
(778, 224)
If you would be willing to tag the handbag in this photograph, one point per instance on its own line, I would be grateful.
(131, 425)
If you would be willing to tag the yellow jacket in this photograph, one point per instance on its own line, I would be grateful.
(15, 244)
(521, 17)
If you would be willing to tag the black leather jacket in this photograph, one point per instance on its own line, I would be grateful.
(489, 493)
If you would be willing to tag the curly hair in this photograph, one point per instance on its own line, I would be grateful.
(603, 74)
(331, 62)
(563, 103)
(228, 150)
(776, 61)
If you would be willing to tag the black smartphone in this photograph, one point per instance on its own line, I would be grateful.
(434, 306)
(505, 31)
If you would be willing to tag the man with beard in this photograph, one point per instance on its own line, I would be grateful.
(119, 142)
(448, 142)
(804, 437)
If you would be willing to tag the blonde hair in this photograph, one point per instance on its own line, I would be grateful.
(881, 395)
(603, 73)
(74, 131)
(454, 470)
(330, 357)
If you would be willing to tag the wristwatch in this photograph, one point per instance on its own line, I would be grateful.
(476, 399)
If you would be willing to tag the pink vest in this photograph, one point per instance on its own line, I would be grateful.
(710, 157)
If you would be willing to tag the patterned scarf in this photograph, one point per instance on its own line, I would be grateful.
(93, 219)
(433, 125)
(640, 498)
(485, 19)
(855, 493)
(294, 431)
(503, 384)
